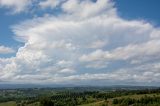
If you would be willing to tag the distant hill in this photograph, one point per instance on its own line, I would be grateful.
(82, 87)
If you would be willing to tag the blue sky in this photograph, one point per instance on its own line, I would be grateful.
(143, 9)
(75, 41)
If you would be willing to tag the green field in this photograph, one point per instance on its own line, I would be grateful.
(109, 101)
(12, 103)
(8, 104)
(79, 97)
(98, 103)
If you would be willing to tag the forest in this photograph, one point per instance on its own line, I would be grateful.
(80, 96)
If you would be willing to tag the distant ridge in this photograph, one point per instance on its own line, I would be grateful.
(18, 86)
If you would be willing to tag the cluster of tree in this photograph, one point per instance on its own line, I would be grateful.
(49, 97)
(68, 101)
(143, 101)
(118, 93)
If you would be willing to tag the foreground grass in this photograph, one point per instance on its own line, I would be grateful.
(12, 103)
(109, 101)
(8, 104)
(97, 103)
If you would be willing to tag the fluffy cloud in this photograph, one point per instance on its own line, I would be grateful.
(75, 7)
(86, 42)
(6, 50)
(150, 48)
(88, 8)
(50, 3)
(16, 5)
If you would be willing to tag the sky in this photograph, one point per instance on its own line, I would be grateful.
(81, 42)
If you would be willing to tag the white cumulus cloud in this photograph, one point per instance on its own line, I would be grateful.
(50, 3)
(16, 6)
(88, 41)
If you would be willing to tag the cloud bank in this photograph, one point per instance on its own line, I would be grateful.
(86, 42)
